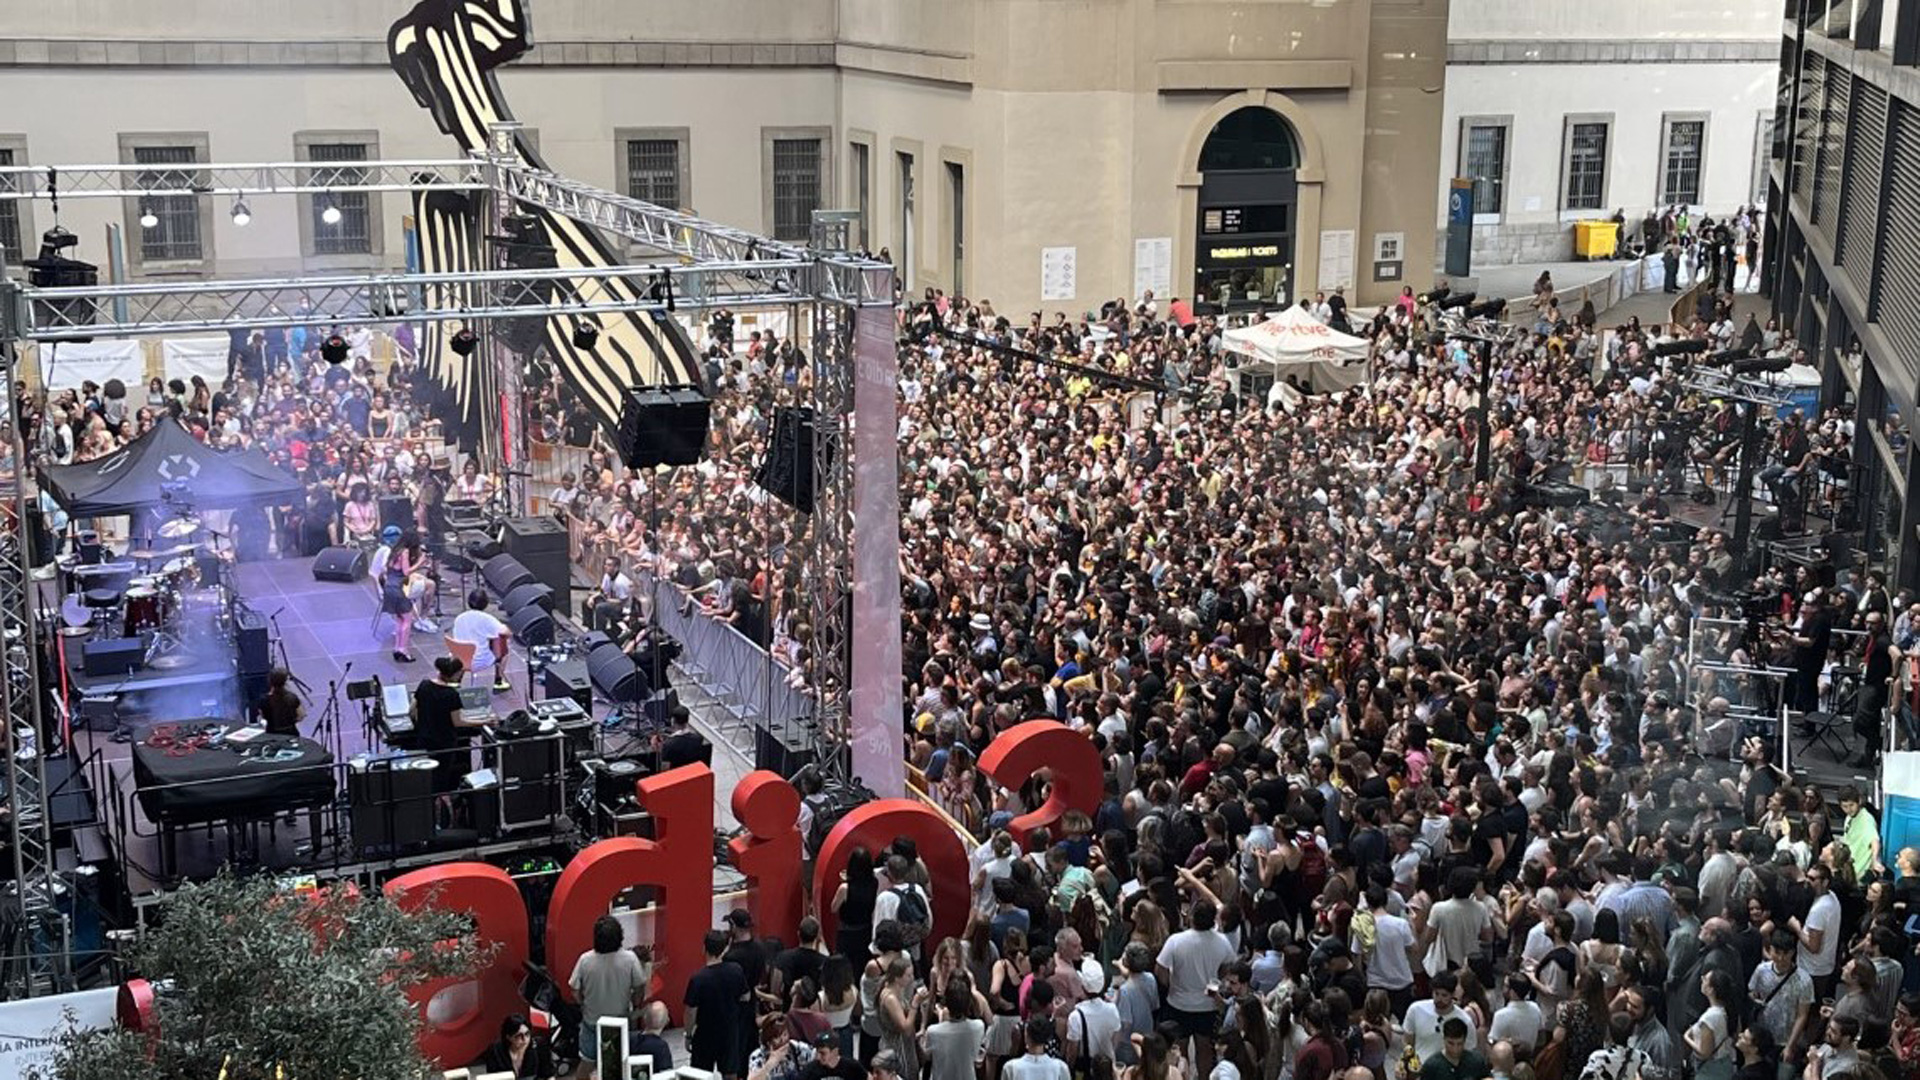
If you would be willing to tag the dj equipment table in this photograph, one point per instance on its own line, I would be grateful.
(197, 774)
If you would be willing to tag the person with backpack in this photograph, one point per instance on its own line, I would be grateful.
(905, 902)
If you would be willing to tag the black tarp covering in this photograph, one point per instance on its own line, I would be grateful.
(168, 459)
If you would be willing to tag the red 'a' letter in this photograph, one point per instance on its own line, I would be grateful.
(770, 852)
(1026, 748)
(500, 919)
(678, 861)
(874, 826)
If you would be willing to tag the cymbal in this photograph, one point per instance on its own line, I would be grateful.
(180, 528)
(178, 550)
(146, 555)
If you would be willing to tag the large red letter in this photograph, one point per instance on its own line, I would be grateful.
(1026, 748)
(491, 898)
(678, 861)
(769, 854)
(877, 824)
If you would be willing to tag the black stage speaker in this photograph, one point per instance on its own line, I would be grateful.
(531, 625)
(479, 545)
(531, 593)
(540, 543)
(250, 633)
(391, 801)
(1555, 494)
(569, 679)
(787, 470)
(340, 564)
(529, 781)
(40, 540)
(615, 675)
(112, 656)
(504, 573)
(784, 748)
(663, 425)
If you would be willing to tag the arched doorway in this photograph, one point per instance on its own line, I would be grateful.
(1248, 214)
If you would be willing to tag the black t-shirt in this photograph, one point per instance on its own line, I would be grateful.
(752, 958)
(437, 705)
(684, 748)
(799, 963)
(1489, 828)
(841, 1070)
(716, 990)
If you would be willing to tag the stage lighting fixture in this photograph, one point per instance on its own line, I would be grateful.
(1762, 365)
(585, 335)
(334, 349)
(1458, 300)
(1487, 309)
(241, 215)
(1438, 294)
(53, 270)
(1684, 346)
(1727, 356)
(331, 215)
(464, 342)
(148, 219)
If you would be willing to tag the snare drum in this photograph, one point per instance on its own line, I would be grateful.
(146, 608)
(179, 573)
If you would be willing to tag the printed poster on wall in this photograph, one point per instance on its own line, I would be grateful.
(1057, 272)
(1336, 259)
(1153, 267)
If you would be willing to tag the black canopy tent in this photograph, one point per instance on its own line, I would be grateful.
(169, 465)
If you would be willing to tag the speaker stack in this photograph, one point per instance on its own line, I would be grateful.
(529, 780)
(528, 607)
(256, 655)
(540, 543)
(785, 747)
(531, 625)
(391, 801)
(569, 679)
(616, 675)
(504, 573)
(787, 471)
(663, 425)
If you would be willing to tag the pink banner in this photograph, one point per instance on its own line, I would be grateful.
(875, 721)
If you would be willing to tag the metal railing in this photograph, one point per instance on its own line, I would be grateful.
(749, 684)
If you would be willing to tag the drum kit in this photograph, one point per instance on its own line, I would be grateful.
(156, 591)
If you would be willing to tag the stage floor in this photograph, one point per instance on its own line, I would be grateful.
(328, 635)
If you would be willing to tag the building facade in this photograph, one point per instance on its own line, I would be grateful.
(1843, 236)
(1236, 147)
(1567, 112)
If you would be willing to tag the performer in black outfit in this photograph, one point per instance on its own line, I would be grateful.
(436, 723)
(281, 710)
(1877, 672)
(1810, 645)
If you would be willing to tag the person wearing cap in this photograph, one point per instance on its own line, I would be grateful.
(828, 1062)
(1091, 1030)
(744, 949)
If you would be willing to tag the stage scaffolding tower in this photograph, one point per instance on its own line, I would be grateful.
(708, 266)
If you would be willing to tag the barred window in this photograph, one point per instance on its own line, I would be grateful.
(1487, 166)
(653, 171)
(1684, 142)
(1586, 166)
(9, 213)
(796, 187)
(352, 234)
(175, 234)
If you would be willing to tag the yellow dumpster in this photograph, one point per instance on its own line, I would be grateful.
(1595, 239)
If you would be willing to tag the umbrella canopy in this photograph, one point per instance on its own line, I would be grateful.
(166, 464)
(1294, 341)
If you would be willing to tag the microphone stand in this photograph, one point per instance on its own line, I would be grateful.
(281, 644)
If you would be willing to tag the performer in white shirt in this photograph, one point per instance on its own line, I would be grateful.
(489, 637)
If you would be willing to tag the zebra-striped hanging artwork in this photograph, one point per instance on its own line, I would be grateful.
(446, 52)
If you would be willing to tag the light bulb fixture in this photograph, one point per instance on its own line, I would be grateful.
(241, 215)
(331, 215)
(148, 219)
(464, 342)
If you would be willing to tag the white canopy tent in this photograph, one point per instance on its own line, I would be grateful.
(1295, 343)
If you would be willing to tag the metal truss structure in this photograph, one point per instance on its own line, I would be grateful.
(712, 266)
(272, 178)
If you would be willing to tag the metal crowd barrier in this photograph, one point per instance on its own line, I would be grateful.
(731, 668)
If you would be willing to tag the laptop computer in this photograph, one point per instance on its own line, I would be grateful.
(476, 705)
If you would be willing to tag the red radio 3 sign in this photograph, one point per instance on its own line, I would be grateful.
(678, 863)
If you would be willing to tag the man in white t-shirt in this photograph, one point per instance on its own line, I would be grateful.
(477, 627)
(1093, 1024)
(1423, 1020)
(1820, 934)
(1390, 960)
(1188, 964)
(1456, 927)
(1518, 1021)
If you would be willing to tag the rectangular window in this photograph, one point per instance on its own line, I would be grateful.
(1762, 154)
(1686, 140)
(174, 235)
(903, 227)
(1486, 165)
(653, 171)
(342, 221)
(957, 224)
(796, 187)
(1586, 181)
(862, 195)
(10, 249)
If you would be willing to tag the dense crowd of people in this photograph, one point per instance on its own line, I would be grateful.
(1406, 770)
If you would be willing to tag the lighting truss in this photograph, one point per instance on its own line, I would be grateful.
(844, 278)
(55, 314)
(1725, 384)
(28, 182)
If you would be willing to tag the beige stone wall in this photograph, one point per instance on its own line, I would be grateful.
(1076, 123)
